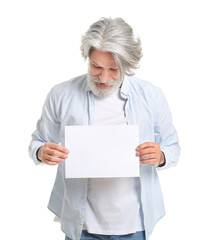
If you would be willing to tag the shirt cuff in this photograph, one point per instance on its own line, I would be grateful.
(34, 155)
(164, 163)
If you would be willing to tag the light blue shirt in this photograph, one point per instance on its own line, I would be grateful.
(72, 103)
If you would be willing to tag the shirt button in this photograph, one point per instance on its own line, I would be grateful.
(81, 217)
(83, 197)
(85, 179)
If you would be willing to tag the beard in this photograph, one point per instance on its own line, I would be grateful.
(113, 85)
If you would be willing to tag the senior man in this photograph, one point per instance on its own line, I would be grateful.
(108, 208)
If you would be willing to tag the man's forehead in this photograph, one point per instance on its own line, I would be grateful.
(102, 58)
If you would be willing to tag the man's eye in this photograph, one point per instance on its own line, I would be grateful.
(113, 69)
(97, 66)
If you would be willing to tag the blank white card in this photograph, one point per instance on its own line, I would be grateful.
(102, 151)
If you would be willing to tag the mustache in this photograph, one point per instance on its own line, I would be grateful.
(97, 80)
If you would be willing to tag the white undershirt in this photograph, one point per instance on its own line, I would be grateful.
(113, 204)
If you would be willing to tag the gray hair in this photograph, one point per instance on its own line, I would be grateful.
(114, 36)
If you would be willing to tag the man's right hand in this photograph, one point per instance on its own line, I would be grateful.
(52, 153)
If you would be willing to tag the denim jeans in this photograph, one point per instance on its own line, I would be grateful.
(88, 236)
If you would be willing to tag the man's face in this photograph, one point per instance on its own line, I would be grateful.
(103, 74)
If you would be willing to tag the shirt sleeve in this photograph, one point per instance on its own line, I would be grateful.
(48, 127)
(165, 133)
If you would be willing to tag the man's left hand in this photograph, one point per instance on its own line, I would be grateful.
(150, 153)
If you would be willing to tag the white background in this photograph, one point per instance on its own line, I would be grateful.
(39, 47)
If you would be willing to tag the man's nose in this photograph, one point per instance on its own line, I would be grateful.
(104, 76)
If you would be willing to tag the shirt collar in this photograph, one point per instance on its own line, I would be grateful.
(87, 87)
(125, 87)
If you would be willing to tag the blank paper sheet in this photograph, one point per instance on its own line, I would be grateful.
(102, 151)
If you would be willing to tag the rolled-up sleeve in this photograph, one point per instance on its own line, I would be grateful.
(165, 133)
(48, 127)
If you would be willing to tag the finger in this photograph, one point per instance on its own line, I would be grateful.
(57, 147)
(146, 145)
(56, 153)
(50, 163)
(145, 151)
(148, 156)
(53, 159)
(153, 162)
